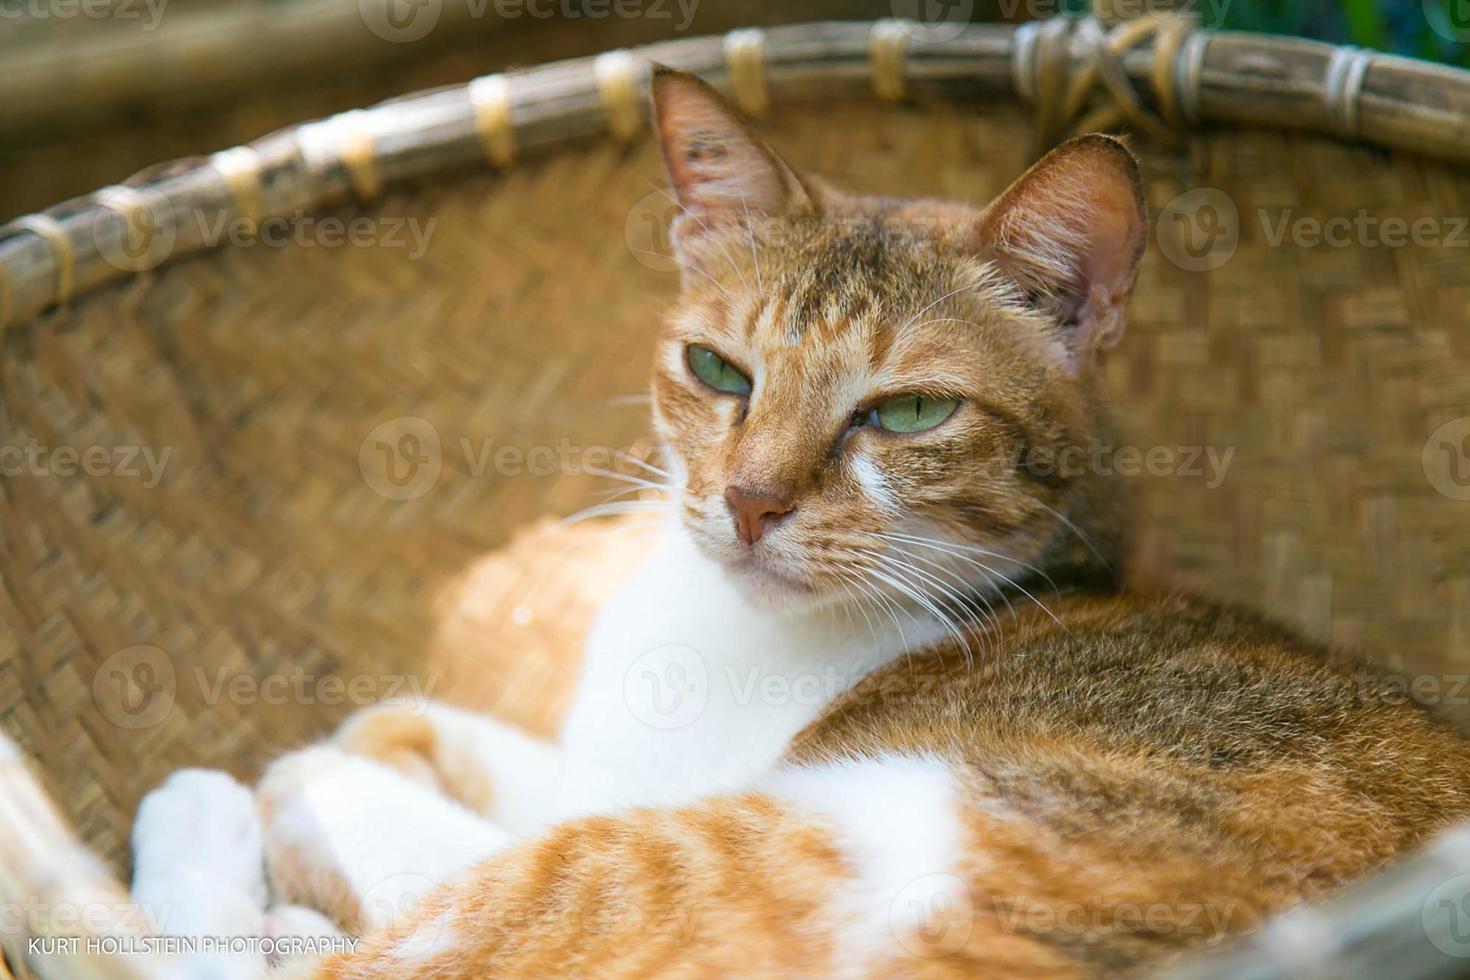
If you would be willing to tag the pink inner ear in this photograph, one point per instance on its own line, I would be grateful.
(1116, 240)
(1074, 227)
(1073, 224)
(720, 169)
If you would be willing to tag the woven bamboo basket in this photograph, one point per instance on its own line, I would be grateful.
(258, 472)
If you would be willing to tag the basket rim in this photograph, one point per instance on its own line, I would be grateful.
(1166, 78)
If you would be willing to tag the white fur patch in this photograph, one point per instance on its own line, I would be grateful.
(689, 691)
(897, 820)
(198, 870)
(874, 483)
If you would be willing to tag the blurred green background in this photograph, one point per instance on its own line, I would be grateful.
(1434, 29)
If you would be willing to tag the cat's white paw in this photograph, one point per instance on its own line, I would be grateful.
(198, 867)
(200, 825)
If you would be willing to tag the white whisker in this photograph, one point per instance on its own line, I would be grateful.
(952, 292)
(708, 230)
(1019, 588)
(969, 599)
(945, 319)
(954, 547)
(846, 581)
(614, 509)
(643, 464)
(760, 287)
(886, 604)
(632, 478)
(905, 587)
(715, 282)
(619, 492)
(990, 574)
(947, 595)
(1081, 534)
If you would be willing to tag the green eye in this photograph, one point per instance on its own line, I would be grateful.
(913, 413)
(717, 372)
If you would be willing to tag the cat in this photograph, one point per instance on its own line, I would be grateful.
(876, 702)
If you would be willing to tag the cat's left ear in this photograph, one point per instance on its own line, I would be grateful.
(1071, 231)
(723, 174)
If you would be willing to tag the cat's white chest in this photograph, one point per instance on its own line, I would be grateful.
(687, 689)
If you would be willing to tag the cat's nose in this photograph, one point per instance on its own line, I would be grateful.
(755, 512)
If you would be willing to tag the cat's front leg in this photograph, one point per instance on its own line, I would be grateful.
(495, 769)
(361, 841)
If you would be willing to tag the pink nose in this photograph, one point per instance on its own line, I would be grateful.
(755, 512)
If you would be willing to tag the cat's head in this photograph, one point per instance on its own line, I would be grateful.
(847, 384)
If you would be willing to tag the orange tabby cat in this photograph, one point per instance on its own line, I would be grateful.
(871, 707)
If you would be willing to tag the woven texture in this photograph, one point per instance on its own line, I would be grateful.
(270, 570)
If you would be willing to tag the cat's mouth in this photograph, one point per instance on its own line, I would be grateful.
(763, 584)
(770, 574)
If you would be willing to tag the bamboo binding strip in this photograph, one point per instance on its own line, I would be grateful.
(745, 60)
(1157, 76)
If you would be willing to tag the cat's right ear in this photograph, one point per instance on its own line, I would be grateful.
(722, 173)
(1071, 232)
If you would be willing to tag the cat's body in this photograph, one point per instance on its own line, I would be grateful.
(1097, 793)
(870, 706)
